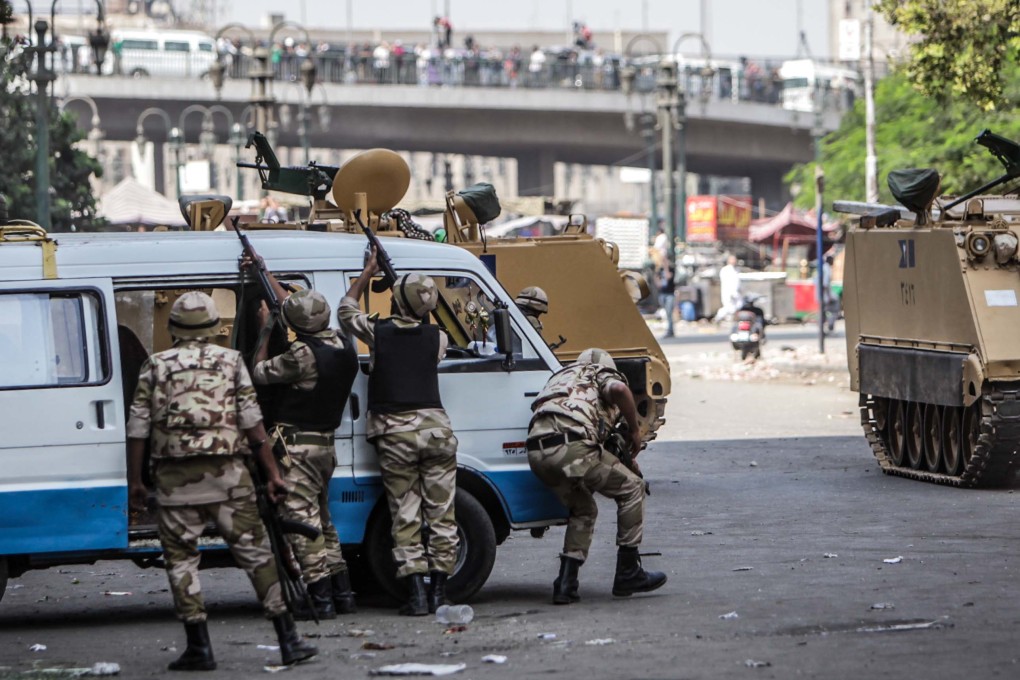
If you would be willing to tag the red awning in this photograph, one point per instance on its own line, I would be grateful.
(795, 226)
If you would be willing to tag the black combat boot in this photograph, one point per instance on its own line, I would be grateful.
(437, 590)
(293, 649)
(198, 655)
(565, 585)
(343, 598)
(321, 595)
(417, 598)
(631, 578)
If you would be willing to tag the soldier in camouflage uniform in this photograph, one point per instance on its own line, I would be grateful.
(193, 403)
(319, 369)
(533, 302)
(411, 431)
(572, 413)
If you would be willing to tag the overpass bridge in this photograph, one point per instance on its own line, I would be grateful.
(537, 127)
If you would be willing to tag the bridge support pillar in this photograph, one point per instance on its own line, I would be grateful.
(768, 184)
(535, 176)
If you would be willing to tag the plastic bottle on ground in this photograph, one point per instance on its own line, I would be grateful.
(454, 613)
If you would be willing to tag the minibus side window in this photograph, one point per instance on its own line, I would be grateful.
(176, 46)
(50, 339)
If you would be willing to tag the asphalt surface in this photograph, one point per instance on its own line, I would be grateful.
(773, 523)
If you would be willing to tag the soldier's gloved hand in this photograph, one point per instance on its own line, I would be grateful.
(137, 496)
(276, 489)
(247, 261)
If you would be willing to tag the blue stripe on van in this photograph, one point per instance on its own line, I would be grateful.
(63, 520)
(525, 497)
(350, 504)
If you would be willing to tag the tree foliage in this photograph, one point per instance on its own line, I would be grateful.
(911, 131)
(71, 199)
(963, 46)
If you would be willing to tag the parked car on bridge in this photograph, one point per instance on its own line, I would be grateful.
(184, 54)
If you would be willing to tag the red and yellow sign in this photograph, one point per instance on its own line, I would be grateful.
(718, 218)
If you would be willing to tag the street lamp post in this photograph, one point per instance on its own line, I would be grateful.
(95, 134)
(140, 138)
(237, 139)
(681, 120)
(42, 77)
(99, 40)
(177, 149)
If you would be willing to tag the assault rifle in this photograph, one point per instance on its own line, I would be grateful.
(272, 300)
(617, 442)
(277, 528)
(1006, 151)
(389, 276)
(304, 180)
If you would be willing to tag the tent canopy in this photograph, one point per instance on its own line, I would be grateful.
(789, 224)
(132, 203)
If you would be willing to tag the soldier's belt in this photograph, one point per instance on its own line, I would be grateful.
(295, 437)
(550, 440)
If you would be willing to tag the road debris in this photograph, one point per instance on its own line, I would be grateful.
(599, 642)
(754, 463)
(118, 593)
(751, 663)
(456, 613)
(899, 627)
(729, 616)
(883, 605)
(360, 632)
(275, 669)
(547, 636)
(830, 556)
(494, 658)
(698, 532)
(101, 668)
(363, 655)
(38, 648)
(743, 568)
(459, 628)
(269, 648)
(893, 560)
(378, 646)
(419, 669)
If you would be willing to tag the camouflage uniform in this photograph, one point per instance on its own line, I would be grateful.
(574, 402)
(418, 459)
(310, 461)
(533, 302)
(192, 402)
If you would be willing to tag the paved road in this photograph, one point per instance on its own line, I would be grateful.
(765, 502)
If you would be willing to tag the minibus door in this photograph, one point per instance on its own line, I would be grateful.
(62, 416)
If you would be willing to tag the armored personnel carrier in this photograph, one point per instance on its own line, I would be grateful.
(931, 293)
(591, 301)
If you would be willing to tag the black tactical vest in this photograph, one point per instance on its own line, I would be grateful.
(404, 376)
(321, 408)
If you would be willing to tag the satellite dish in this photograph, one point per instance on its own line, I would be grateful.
(382, 175)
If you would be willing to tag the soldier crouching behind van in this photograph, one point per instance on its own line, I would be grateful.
(565, 451)
(319, 369)
(411, 431)
(193, 402)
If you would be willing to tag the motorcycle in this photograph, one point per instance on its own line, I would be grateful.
(748, 333)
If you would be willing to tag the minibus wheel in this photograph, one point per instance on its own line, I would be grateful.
(476, 552)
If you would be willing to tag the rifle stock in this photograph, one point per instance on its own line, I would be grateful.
(277, 527)
(389, 275)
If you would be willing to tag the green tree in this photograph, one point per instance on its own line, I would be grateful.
(72, 202)
(911, 131)
(963, 48)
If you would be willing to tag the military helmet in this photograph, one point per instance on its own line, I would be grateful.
(194, 315)
(306, 311)
(416, 294)
(594, 355)
(532, 300)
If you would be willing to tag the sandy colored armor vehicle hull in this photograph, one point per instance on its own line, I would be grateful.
(931, 304)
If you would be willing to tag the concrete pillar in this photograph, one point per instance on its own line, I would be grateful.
(768, 184)
(535, 176)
